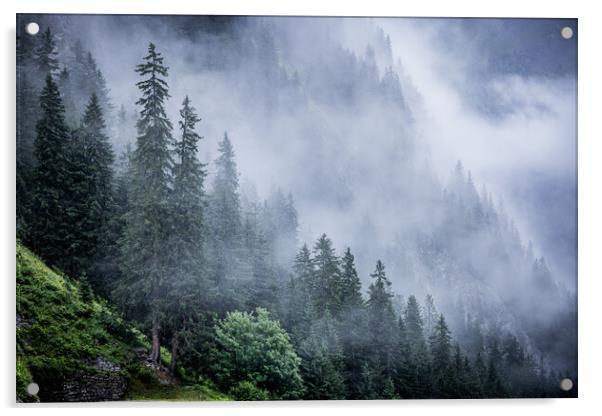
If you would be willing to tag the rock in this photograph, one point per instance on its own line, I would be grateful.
(87, 387)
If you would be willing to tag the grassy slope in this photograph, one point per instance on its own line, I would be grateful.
(60, 327)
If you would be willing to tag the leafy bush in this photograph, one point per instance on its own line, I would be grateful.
(254, 348)
(247, 391)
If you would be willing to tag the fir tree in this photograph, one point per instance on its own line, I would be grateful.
(45, 54)
(187, 263)
(51, 231)
(440, 345)
(325, 284)
(419, 382)
(351, 296)
(225, 223)
(352, 325)
(430, 315)
(322, 361)
(383, 331)
(92, 202)
(147, 225)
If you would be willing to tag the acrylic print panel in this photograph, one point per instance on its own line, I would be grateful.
(295, 208)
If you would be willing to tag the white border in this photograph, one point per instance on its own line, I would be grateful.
(590, 206)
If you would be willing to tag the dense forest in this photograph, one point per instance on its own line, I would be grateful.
(121, 199)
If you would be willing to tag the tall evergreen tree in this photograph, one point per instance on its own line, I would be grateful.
(440, 344)
(383, 331)
(322, 361)
(352, 325)
(419, 383)
(51, 231)
(430, 315)
(45, 55)
(147, 224)
(300, 311)
(325, 284)
(351, 296)
(225, 224)
(92, 201)
(186, 240)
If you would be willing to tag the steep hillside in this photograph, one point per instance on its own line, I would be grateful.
(75, 346)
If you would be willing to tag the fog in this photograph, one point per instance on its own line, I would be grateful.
(366, 138)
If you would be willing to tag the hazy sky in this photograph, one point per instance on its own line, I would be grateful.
(500, 94)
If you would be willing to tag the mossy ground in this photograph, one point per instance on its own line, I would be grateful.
(62, 328)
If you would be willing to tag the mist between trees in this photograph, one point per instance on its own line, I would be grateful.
(250, 291)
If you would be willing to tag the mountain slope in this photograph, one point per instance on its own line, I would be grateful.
(76, 347)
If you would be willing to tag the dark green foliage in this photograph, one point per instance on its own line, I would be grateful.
(92, 205)
(440, 346)
(418, 381)
(51, 230)
(254, 348)
(145, 260)
(247, 391)
(186, 285)
(322, 361)
(325, 282)
(351, 296)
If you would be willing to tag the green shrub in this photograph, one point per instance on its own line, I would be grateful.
(254, 348)
(247, 391)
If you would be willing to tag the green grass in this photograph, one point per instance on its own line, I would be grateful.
(153, 391)
(62, 329)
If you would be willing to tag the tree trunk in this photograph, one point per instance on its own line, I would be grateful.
(174, 353)
(155, 355)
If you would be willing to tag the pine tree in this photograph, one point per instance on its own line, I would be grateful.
(352, 325)
(322, 361)
(419, 382)
(50, 230)
(186, 240)
(325, 285)
(440, 345)
(45, 55)
(430, 315)
(92, 201)
(147, 225)
(225, 224)
(351, 296)
(300, 312)
(383, 331)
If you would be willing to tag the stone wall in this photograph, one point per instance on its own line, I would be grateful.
(103, 382)
(84, 387)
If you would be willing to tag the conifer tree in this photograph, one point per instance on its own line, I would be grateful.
(51, 230)
(300, 312)
(440, 344)
(186, 240)
(326, 282)
(45, 54)
(322, 361)
(383, 331)
(225, 222)
(430, 316)
(92, 201)
(419, 382)
(352, 325)
(351, 296)
(147, 224)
